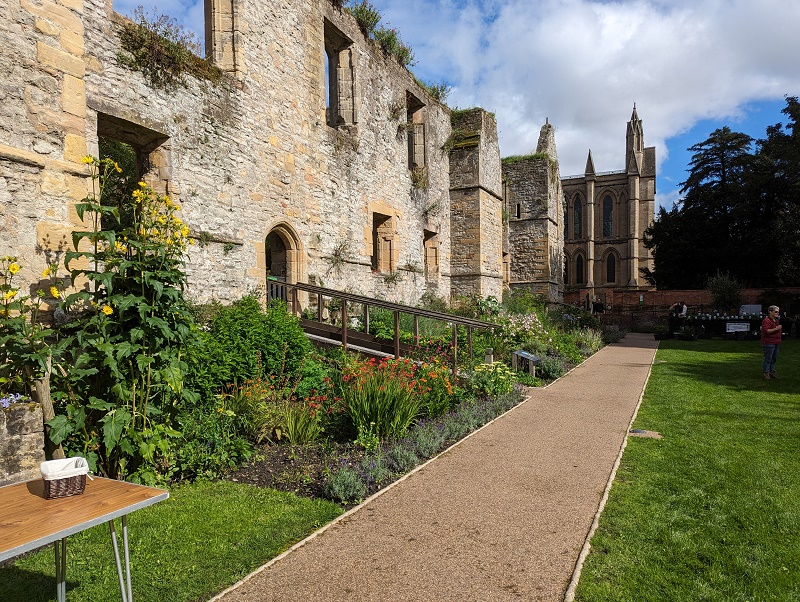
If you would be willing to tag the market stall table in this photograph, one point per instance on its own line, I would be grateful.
(29, 521)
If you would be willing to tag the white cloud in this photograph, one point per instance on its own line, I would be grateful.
(583, 64)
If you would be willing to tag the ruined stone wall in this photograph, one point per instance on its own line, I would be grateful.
(251, 155)
(534, 204)
(21, 442)
(42, 129)
(476, 207)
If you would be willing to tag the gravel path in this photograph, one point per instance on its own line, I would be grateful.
(503, 515)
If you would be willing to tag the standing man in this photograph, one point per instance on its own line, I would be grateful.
(770, 340)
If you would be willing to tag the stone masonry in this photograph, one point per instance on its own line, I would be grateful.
(21, 442)
(316, 146)
(534, 205)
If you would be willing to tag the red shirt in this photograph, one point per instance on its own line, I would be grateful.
(773, 338)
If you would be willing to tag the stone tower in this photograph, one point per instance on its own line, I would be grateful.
(535, 209)
(606, 214)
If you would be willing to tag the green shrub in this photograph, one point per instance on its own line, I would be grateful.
(210, 446)
(522, 301)
(302, 421)
(433, 380)
(492, 379)
(401, 458)
(255, 343)
(381, 396)
(428, 438)
(345, 485)
(257, 406)
(376, 467)
(552, 368)
(725, 291)
(123, 347)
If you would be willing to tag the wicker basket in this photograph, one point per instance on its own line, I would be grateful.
(63, 478)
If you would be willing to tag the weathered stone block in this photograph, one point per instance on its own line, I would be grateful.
(23, 418)
(60, 60)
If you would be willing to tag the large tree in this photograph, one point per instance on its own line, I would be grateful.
(738, 213)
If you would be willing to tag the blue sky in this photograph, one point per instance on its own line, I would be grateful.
(691, 66)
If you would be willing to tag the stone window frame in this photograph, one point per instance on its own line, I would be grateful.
(577, 217)
(340, 77)
(580, 268)
(152, 149)
(430, 253)
(611, 261)
(416, 117)
(607, 221)
(384, 244)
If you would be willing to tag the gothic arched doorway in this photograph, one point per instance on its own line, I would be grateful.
(283, 260)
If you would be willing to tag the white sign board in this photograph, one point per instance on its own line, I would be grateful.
(737, 327)
(749, 309)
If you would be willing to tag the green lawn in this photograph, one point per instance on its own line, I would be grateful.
(712, 510)
(205, 537)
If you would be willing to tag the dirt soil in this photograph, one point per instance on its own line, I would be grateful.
(299, 469)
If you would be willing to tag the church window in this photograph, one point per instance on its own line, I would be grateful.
(608, 217)
(611, 268)
(577, 219)
(579, 270)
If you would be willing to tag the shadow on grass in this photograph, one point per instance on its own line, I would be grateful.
(21, 585)
(698, 360)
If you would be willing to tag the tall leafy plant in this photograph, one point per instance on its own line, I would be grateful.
(124, 383)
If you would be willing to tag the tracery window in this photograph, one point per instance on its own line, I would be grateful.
(577, 219)
(608, 217)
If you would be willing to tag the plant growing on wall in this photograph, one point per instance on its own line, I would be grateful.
(419, 177)
(338, 257)
(368, 18)
(439, 91)
(390, 42)
(162, 51)
(366, 15)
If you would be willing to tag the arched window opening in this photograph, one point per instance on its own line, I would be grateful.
(611, 268)
(579, 270)
(577, 220)
(608, 217)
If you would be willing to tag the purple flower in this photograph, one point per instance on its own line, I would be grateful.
(10, 398)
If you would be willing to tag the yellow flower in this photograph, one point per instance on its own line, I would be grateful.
(142, 184)
(55, 292)
(106, 309)
(46, 272)
(10, 294)
(13, 268)
(117, 167)
(87, 160)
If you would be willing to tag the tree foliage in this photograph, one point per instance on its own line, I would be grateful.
(738, 214)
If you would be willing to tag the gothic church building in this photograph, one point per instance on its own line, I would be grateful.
(605, 216)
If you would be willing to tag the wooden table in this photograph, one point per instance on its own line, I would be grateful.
(29, 521)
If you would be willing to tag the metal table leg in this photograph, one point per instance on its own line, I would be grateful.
(61, 569)
(124, 580)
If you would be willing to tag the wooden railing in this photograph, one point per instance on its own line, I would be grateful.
(292, 294)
